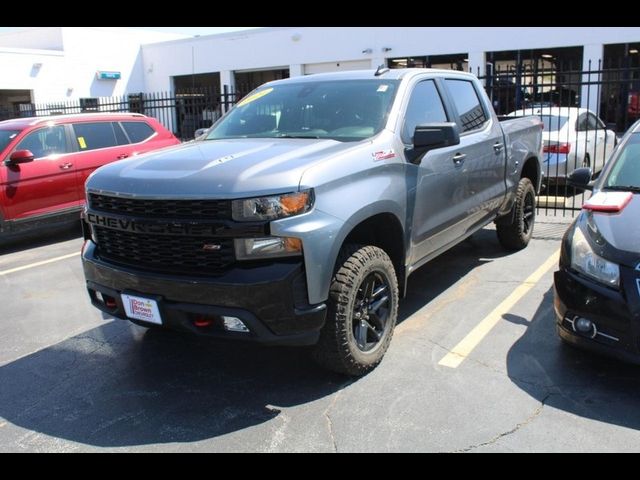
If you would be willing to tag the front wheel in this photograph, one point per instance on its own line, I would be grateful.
(516, 235)
(362, 312)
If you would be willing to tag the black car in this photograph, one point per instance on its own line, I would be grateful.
(597, 289)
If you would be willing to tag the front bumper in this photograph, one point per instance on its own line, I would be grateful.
(617, 328)
(271, 300)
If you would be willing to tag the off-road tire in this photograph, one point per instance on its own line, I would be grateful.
(338, 349)
(516, 235)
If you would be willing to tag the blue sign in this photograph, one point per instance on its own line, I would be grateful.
(108, 75)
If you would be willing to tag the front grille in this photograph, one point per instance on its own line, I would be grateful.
(174, 209)
(182, 255)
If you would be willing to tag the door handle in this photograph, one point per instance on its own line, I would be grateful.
(122, 155)
(458, 158)
(497, 147)
(66, 166)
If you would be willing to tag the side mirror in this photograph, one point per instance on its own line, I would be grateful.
(431, 136)
(19, 156)
(200, 132)
(580, 178)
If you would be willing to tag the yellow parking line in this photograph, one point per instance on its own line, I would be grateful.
(37, 264)
(456, 356)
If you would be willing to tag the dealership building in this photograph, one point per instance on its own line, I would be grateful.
(54, 65)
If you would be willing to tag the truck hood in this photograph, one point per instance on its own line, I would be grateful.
(217, 168)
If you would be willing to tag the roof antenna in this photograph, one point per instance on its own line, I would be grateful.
(381, 70)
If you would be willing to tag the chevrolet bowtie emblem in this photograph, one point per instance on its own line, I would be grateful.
(211, 247)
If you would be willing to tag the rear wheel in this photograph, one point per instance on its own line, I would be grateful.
(362, 313)
(516, 235)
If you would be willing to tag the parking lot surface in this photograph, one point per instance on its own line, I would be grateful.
(474, 366)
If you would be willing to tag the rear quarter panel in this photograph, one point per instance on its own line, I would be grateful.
(523, 138)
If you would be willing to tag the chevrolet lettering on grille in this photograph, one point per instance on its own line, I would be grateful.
(135, 226)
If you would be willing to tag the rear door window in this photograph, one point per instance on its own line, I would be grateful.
(45, 141)
(121, 137)
(581, 123)
(467, 102)
(91, 136)
(138, 131)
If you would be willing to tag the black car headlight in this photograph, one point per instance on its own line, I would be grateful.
(590, 264)
(272, 207)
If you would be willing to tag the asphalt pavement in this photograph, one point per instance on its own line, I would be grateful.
(72, 380)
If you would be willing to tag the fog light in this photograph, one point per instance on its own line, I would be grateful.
(234, 324)
(584, 325)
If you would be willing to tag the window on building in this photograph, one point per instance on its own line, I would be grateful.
(467, 102)
(425, 106)
(89, 104)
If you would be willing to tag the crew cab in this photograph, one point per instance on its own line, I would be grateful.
(46, 160)
(299, 217)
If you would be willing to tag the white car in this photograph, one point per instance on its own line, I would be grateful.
(572, 138)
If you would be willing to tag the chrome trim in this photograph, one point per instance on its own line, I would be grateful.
(572, 322)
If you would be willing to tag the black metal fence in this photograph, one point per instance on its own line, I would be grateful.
(182, 112)
(572, 138)
(610, 91)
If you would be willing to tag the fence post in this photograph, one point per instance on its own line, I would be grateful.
(592, 55)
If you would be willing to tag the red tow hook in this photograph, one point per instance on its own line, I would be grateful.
(202, 322)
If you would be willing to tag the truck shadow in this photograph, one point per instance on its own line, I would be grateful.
(569, 379)
(435, 277)
(121, 385)
(40, 238)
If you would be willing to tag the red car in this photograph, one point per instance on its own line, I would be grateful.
(46, 160)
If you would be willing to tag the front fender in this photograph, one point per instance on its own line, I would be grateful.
(322, 236)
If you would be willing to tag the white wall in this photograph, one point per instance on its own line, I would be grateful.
(268, 47)
(74, 55)
(20, 71)
(41, 38)
(70, 56)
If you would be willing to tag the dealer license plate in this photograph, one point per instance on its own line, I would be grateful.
(141, 308)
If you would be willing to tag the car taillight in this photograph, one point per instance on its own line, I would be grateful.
(557, 148)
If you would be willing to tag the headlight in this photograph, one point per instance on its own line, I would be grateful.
(272, 208)
(585, 260)
(267, 247)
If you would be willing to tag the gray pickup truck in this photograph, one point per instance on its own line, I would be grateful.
(299, 217)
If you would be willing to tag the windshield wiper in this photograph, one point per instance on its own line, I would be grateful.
(623, 188)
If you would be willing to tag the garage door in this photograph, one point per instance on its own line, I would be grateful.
(336, 66)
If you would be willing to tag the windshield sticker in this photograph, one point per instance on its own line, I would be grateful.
(383, 88)
(11, 137)
(255, 96)
(383, 155)
(81, 142)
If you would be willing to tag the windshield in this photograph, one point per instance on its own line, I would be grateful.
(6, 136)
(625, 171)
(553, 123)
(344, 110)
